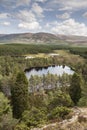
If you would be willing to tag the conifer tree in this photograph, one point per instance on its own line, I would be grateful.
(75, 88)
(20, 95)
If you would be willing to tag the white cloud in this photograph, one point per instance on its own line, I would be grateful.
(63, 16)
(3, 15)
(28, 20)
(47, 25)
(22, 2)
(41, 1)
(10, 4)
(70, 27)
(30, 26)
(26, 16)
(76, 4)
(48, 9)
(37, 10)
(5, 23)
(67, 4)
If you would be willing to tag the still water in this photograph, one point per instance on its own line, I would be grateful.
(40, 71)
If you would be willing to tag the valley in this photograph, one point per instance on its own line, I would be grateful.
(43, 64)
(42, 101)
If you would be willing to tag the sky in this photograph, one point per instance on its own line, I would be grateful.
(67, 17)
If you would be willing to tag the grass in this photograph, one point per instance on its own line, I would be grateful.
(63, 55)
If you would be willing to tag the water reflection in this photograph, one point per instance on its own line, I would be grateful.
(58, 70)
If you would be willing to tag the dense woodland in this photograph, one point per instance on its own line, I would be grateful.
(24, 103)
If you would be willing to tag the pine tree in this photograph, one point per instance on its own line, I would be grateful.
(20, 95)
(75, 88)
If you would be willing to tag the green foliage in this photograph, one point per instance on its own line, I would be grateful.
(59, 112)
(21, 126)
(82, 102)
(59, 98)
(83, 99)
(34, 117)
(4, 105)
(49, 81)
(6, 120)
(75, 88)
(44, 104)
(5, 85)
(20, 95)
(21, 49)
(38, 100)
(82, 51)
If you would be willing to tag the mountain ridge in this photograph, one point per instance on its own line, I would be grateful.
(43, 37)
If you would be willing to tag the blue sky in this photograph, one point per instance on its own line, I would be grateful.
(68, 17)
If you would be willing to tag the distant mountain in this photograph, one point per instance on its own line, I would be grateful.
(29, 38)
(43, 38)
(74, 39)
(2, 35)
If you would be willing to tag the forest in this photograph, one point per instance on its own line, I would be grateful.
(29, 103)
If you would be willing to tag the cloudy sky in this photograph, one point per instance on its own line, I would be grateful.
(67, 17)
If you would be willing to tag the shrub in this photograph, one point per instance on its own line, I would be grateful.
(82, 102)
(59, 99)
(34, 117)
(59, 112)
(21, 126)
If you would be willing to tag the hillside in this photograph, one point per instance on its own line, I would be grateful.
(43, 38)
(77, 121)
(30, 38)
